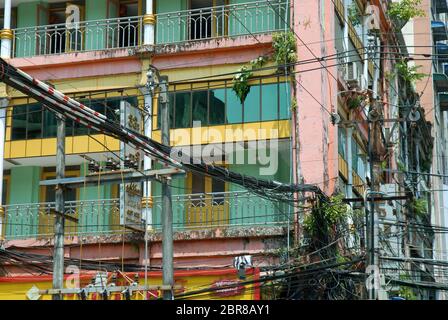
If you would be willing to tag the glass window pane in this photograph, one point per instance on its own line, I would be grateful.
(98, 105)
(69, 127)
(285, 101)
(34, 121)
(341, 142)
(270, 102)
(252, 105)
(183, 110)
(217, 107)
(79, 129)
(218, 187)
(50, 124)
(234, 108)
(113, 109)
(19, 123)
(354, 155)
(200, 107)
(171, 97)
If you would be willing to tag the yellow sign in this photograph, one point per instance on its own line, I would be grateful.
(222, 284)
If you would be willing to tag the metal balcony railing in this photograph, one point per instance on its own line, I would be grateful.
(173, 27)
(83, 36)
(190, 212)
(221, 21)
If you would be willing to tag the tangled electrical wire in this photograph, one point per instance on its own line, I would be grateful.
(67, 107)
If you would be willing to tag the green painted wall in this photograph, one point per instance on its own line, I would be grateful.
(243, 210)
(100, 36)
(95, 217)
(178, 188)
(256, 19)
(259, 210)
(24, 189)
(29, 15)
(174, 28)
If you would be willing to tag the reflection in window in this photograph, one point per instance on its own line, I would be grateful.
(50, 124)
(182, 110)
(234, 108)
(31, 121)
(217, 107)
(285, 100)
(200, 107)
(269, 102)
(265, 102)
(19, 116)
(252, 105)
(34, 122)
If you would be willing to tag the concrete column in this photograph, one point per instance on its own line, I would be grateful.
(147, 202)
(149, 22)
(3, 104)
(6, 34)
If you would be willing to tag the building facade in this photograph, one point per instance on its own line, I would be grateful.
(306, 120)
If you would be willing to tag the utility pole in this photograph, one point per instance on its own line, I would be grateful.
(58, 254)
(167, 212)
(373, 117)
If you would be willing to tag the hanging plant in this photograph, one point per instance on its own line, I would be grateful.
(241, 85)
(403, 11)
(285, 48)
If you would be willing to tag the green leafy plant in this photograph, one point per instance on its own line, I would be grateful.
(420, 207)
(354, 14)
(354, 102)
(404, 10)
(285, 48)
(409, 73)
(330, 214)
(241, 85)
(406, 292)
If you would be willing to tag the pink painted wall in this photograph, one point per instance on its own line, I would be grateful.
(314, 24)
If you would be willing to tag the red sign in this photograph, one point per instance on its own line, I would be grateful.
(229, 288)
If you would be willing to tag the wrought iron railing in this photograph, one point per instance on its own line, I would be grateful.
(221, 21)
(172, 27)
(190, 212)
(83, 36)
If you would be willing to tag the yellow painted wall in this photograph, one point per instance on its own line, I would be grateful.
(188, 283)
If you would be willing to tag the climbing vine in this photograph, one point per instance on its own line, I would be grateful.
(401, 12)
(285, 48)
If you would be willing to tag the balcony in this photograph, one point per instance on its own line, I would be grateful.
(102, 217)
(441, 6)
(439, 31)
(442, 52)
(172, 27)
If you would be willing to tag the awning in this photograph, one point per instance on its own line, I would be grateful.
(442, 51)
(440, 82)
(443, 101)
(441, 6)
(439, 30)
